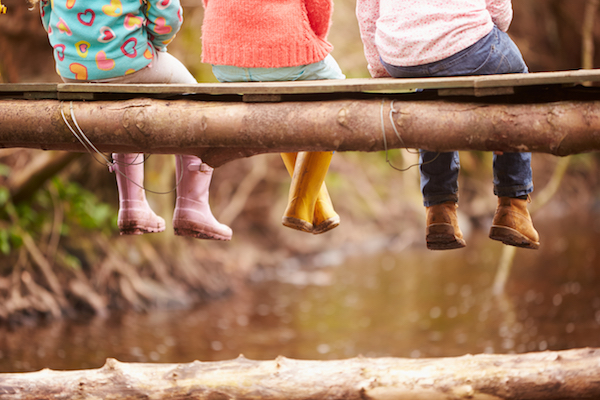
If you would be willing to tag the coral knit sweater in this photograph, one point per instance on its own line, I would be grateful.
(265, 33)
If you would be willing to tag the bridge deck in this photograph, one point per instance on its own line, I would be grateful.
(466, 85)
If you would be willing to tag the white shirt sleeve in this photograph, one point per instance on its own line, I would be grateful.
(367, 13)
(501, 12)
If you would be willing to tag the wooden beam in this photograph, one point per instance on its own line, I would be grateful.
(222, 131)
(568, 374)
(463, 84)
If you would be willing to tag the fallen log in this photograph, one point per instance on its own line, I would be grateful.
(222, 131)
(569, 374)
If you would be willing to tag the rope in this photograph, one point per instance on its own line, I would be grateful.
(89, 146)
(391, 113)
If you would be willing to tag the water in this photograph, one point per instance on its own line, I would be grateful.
(417, 303)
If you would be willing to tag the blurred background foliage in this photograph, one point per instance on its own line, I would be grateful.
(60, 252)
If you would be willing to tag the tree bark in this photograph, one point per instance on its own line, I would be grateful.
(569, 374)
(223, 131)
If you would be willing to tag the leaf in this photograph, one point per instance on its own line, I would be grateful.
(4, 195)
(4, 242)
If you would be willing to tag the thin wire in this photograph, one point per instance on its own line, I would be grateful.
(393, 111)
(142, 186)
(87, 143)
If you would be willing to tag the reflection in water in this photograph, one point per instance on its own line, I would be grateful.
(415, 304)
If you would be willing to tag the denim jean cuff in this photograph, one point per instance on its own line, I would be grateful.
(439, 199)
(513, 191)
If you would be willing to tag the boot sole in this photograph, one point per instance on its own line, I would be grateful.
(297, 223)
(200, 235)
(195, 229)
(439, 242)
(512, 237)
(134, 229)
(326, 225)
(441, 237)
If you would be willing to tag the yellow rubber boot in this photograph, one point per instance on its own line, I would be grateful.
(325, 218)
(309, 173)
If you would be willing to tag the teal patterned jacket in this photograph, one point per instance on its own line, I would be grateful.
(101, 39)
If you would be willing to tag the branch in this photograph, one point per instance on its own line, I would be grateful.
(587, 34)
(25, 183)
(565, 374)
(40, 260)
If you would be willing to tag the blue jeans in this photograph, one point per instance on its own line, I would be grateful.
(496, 53)
(327, 68)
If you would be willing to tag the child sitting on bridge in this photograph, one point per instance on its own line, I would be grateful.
(124, 41)
(426, 38)
(283, 40)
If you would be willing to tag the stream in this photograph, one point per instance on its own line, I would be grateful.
(416, 303)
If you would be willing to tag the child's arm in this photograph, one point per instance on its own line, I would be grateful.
(164, 20)
(501, 12)
(367, 13)
(319, 15)
(45, 13)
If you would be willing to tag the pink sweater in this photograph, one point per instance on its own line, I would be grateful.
(415, 32)
(265, 33)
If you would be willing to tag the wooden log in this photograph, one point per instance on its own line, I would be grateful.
(222, 131)
(569, 374)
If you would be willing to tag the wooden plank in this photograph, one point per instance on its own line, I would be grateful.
(28, 87)
(380, 85)
(539, 78)
(33, 91)
(481, 84)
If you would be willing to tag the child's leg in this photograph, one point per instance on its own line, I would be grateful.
(192, 216)
(513, 182)
(164, 68)
(439, 177)
(325, 218)
(439, 185)
(135, 215)
(496, 53)
(512, 174)
(309, 173)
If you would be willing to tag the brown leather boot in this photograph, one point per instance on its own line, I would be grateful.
(512, 224)
(442, 231)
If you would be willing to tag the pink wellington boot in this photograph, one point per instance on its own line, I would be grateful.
(192, 216)
(135, 215)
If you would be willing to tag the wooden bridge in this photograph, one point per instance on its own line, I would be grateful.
(540, 112)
